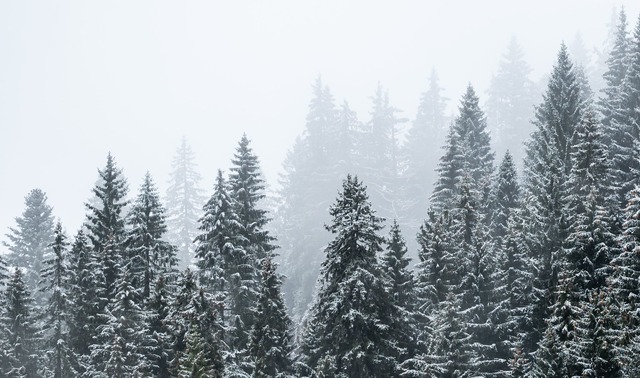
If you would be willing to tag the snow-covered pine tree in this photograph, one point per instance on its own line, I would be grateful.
(84, 285)
(627, 119)
(20, 342)
(395, 265)
(195, 362)
(270, 348)
(120, 347)
(611, 96)
(547, 167)
(106, 225)
(160, 352)
(29, 240)
(624, 279)
(148, 253)
(247, 188)
(589, 203)
(596, 346)
(348, 332)
(510, 103)
(549, 362)
(505, 198)
(467, 150)
(420, 154)
(473, 283)
(184, 200)
(220, 245)
(60, 359)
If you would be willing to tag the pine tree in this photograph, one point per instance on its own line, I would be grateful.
(106, 225)
(628, 119)
(19, 334)
(395, 265)
(547, 167)
(184, 201)
(220, 243)
(29, 241)
(348, 329)
(158, 307)
(119, 350)
(84, 284)
(55, 278)
(148, 253)
(625, 276)
(194, 362)
(271, 337)
(505, 198)
(610, 100)
(510, 103)
(467, 151)
(247, 189)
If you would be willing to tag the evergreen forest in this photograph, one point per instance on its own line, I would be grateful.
(500, 241)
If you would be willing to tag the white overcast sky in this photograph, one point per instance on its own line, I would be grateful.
(81, 78)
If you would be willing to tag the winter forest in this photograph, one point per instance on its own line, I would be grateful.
(502, 240)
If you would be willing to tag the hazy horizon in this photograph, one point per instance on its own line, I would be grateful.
(81, 79)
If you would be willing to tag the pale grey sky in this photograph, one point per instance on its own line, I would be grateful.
(81, 78)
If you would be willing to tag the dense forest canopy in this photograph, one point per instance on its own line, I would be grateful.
(501, 240)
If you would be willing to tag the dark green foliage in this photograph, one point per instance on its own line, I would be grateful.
(348, 332)
(19, 342)
(106, 225)
(270, 348)
(467, 151)
(55, 281)
(147, 251)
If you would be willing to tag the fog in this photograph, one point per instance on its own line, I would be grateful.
(79, 79)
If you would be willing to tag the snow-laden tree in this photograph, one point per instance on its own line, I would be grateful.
(184, 200)
(547, 168)
(29, 241)
(348, 331)
(19, 344)
(84, 286)
(120, 347)
(106, 225)
(60, 359)
(271, 337)
(467, 151)
(147, 251)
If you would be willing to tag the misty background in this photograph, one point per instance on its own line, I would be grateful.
(80, 79)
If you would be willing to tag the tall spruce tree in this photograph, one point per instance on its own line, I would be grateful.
(611, 96)
(348, 328)
(184, 199)
(395, 265)
(467, 150)
(547, 167)
(271, 337)
(55, 280)
(20, 341)
(106, 225)
(84, 285)
(505, 198)
(120, 348)
(147, 251)
(29, 240)
(627, 120)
